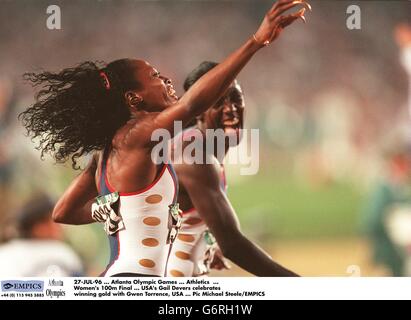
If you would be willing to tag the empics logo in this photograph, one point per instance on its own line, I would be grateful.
(7, 286)
(22, 286)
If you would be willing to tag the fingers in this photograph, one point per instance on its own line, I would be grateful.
(306, 5)
(279, 3)
(216, 266)
(284, 21)
(290, 4)
(287, 20)
(226, 265)
(302, 17)
(274, 21)
(299, 15)
(220, 265)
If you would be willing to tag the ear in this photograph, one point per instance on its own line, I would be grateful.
(133, 99)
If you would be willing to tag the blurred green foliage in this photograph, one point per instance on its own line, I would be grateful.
(280, 206)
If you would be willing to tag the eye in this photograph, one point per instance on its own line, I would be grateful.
(239, 105)
(238, 102)
(219, 103)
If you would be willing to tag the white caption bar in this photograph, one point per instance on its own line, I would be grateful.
(205, 288)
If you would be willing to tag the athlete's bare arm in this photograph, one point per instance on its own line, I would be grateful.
(202, 183)
(74, 206)
(133, 143)
(209, 88)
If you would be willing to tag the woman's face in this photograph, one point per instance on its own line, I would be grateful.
(156, 90)
(228, 112)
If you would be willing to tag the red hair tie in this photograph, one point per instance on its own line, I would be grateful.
(106, 82)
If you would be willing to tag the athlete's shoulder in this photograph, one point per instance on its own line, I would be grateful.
(135, 132)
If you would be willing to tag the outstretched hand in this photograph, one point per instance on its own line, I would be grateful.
(274, 22)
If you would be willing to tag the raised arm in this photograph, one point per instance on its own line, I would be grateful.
(74, 206)
(209, 88)
(213, 205)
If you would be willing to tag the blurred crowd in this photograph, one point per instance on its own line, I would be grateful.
(335, 101)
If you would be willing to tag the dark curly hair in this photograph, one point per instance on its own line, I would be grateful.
(76, 110)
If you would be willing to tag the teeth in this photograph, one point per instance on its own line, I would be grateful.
(171, 91)
(231, 122)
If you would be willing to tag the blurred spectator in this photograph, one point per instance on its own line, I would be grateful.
(389, 194)
(399, 229)
(6, 163)
(6, 94)
(398, 221)
(403, 38)
(389, 208)
(38, 250)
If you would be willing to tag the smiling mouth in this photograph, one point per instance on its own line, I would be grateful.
(171, 92)
(231, 122)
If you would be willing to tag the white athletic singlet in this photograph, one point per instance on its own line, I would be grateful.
(192, 251)
(141, 246)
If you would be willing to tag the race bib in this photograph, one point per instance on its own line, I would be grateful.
(174, 222)
(105, 210)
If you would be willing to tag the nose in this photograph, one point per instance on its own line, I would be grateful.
(230, 107)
